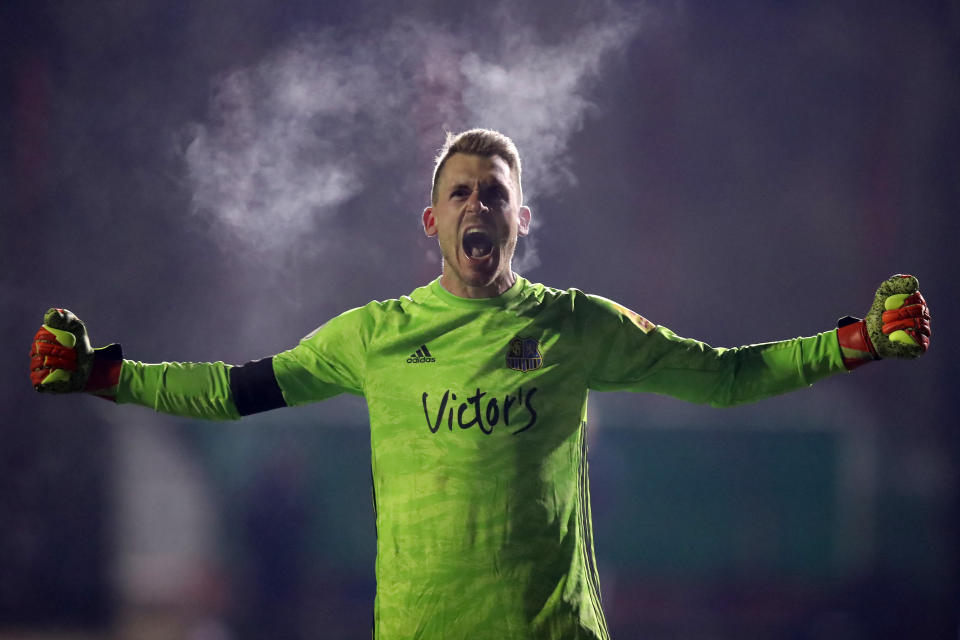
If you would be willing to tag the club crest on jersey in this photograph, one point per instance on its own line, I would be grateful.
(523, 354)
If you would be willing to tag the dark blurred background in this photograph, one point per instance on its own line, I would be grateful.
(211, 180)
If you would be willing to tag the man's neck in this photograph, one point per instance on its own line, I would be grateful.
(458, 288)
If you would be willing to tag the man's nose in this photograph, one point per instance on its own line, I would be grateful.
(474, 203)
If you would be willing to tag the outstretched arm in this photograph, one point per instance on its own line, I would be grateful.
(62, 361)
(644, 358)
(696, 372)
(194, 389)
(327, 362)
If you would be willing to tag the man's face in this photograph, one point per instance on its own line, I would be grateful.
(477, 218)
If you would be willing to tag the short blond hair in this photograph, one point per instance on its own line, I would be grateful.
(478, 142)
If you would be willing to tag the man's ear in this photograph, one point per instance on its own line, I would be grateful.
(429, 222)
(523, 228)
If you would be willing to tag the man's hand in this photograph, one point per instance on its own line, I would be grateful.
(62, 361)
(897, 325)
(61, 358)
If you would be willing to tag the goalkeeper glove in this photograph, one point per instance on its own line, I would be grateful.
(62, 361)
(897, 325)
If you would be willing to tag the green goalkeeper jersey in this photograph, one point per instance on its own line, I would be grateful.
(477, 429)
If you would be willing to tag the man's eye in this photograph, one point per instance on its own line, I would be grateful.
(496, 195)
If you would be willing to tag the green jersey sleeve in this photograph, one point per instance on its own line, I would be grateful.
(194, 389)
(632, 354)
(330, 360)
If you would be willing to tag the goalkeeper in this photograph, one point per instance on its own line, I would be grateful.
(477, 388)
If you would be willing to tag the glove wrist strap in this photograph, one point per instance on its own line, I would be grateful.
(855, 345)
(105, 373)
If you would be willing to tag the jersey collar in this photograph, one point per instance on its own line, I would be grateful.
(478, 303)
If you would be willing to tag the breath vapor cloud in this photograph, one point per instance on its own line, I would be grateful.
(292, 139)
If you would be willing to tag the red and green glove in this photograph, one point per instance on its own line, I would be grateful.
(897, 325)
(62, 361)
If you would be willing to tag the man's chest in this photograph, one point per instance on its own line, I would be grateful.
(490, 374)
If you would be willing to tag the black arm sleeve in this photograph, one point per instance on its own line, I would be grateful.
(255, 388)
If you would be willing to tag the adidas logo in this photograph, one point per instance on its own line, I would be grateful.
(422, 355)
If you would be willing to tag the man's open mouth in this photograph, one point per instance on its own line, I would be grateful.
(477, 244)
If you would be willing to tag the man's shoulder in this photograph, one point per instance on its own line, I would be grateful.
(590, 305)
(571, 297)
(378, 311)
(403, 304)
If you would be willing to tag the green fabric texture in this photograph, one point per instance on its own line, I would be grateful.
(196, 390)
(478, 439)
(885, 347)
